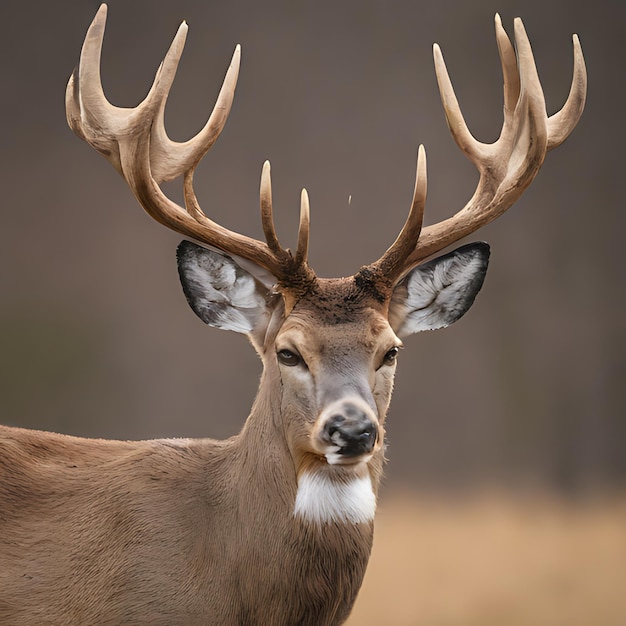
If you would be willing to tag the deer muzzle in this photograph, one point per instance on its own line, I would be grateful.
(347, 432)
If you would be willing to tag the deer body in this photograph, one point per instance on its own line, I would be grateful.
(272, 526)
(179, 557)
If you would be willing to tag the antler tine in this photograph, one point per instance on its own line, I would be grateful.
(89, 114)
(391, 264)
(303, 230)
(267, 210)
(170, 159)
(456, 122)
(562, 123)
(508, 61)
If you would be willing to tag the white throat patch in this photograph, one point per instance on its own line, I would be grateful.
(320, 499)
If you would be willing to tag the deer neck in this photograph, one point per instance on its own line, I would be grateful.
(315, 567)
(262, 460)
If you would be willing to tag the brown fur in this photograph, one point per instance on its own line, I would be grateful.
(186, 531)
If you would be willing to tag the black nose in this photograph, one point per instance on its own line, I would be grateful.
(352, 431)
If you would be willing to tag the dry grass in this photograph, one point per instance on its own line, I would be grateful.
(495, 561)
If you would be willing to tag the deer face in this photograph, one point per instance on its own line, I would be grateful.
(335, 352)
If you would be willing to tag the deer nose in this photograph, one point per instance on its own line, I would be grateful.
(351, 430)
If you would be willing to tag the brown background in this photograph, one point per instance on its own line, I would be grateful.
(96, 338)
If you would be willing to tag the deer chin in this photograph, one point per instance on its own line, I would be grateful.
(334, 457)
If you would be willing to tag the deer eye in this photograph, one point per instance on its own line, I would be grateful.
(391, 356)
(287, 357)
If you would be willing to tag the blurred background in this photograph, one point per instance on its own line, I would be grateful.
(504, 497)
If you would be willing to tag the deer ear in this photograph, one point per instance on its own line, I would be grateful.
(220, 292)
(439, 292)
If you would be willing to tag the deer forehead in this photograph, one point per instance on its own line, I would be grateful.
(339, 302)
(365, 332)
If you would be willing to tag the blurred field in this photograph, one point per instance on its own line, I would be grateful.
(496, 561)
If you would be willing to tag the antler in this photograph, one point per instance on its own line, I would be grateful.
(506, 167)
(137, 145)
(135, 142)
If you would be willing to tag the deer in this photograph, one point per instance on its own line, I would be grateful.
(275, 524)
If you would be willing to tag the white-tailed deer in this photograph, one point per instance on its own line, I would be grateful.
(272, 526)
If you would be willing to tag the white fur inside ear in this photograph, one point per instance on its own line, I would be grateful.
(220, 292)
(438, 293)
(322, 498)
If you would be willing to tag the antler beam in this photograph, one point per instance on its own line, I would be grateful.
(135, 142)
(506, 167)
